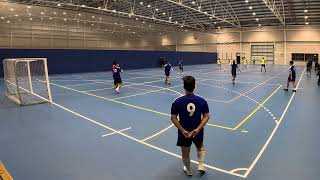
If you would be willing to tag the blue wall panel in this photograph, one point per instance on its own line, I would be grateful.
(77, 61)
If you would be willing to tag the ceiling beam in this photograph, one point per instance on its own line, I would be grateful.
(234, 20)
(277, 8)
(114, 12)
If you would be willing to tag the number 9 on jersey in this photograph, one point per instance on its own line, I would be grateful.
(191, 108)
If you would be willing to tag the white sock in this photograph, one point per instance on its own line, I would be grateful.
(187, 164)
(201, 155)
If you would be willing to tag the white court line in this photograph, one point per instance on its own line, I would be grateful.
(242, 82)
(157, 134)
(130, 84)
(143, 93)
(94, 90)
(239, 169)
(216, 100)
(95, 82)
(243, 94)
(142, 89)
(273, 132)
(79, 80)
(105, 135)
(144, 143)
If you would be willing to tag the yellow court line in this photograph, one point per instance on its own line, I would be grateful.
(254, 88)
(142, 89)
(221, 127)
(250, 168)
(148, 92)
(112, 100)
(168, 115)
(260, 105)
(130, 105)
(4, 174)
(144, 143)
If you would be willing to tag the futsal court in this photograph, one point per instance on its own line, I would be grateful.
(103, 89)
(91, 132)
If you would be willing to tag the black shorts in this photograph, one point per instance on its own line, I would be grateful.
(181, 68)
(263, 65)
(308, 68)
(186, 142)
(167, 73)
(117, 80)
(291, 80)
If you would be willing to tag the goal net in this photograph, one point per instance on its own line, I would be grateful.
(27, 80)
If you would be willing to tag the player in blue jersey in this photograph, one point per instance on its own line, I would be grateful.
(116, 70)
(234, 68)
(181, 66)
(292, 77)
(167, 69)
(193, 113)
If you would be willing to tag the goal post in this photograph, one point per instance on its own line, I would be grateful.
(27, 80)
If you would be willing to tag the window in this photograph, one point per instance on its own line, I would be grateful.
(304, 57)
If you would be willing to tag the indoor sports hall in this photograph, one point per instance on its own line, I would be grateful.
(92, 89)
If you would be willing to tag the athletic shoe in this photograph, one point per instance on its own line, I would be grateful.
(117, 90)
(201, 168)
(188, 173)
(294, 90)
(285, 89)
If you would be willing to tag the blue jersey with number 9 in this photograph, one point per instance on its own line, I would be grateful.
(190, 109)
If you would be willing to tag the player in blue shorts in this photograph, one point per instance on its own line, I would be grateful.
(167, 69)
(116, 70)
(193, 113)
(292, 77)
(234, 68)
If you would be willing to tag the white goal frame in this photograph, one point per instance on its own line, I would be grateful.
(17, 99)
